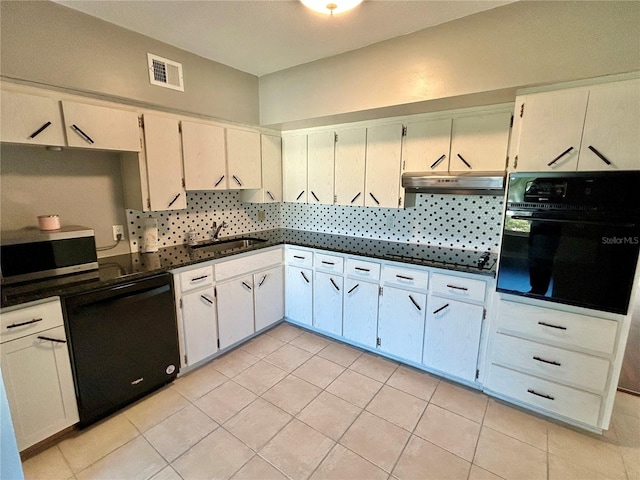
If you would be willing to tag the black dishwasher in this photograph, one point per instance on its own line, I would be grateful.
(123, 342)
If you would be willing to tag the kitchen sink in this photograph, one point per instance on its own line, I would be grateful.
(224, 245)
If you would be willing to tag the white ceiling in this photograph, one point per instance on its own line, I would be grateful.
(265, 36)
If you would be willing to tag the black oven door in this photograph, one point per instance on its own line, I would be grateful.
(568, 259)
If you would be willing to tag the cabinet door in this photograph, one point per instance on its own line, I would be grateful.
(244, 162)
(452, 337)
(299, 295)
(426, 148)
(204, 157)
(401, 323)
(30, 119)
(479, 143)
(327, 303)
(268, 297)
(271, 191)
(164, 163)
(102, 128)
(294, 168)
(39, 384)
(612, 128)
(551, 130)
(384, 149)
(351, 146)
(360, 318)
(235, 310)
(200, 325)
(320, 167)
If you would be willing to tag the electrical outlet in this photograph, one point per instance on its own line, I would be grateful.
(261, 215)
(118, 230)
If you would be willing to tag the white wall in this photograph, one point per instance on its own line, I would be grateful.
(475, 60)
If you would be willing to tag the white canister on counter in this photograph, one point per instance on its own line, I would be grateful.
(150, 235)
(49, 222)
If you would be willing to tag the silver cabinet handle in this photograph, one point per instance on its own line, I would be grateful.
(206, 299)
(435, 312)
(334, 285)
(247, 285)
(40, 130)
(218, 182)
(559, 156)
(437, 162)
(415, 303)
(262, 281)
(84, 136)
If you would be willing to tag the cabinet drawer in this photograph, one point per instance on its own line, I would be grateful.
(361, 269)
(563, 328)
(405, 277)
(251, 263)
(301, 258)
(20, 322)
(458, 287)
(578, 369)
(196, 278)
(569, 402)
(328, 263)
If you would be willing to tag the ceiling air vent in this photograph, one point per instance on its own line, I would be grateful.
(165, 73)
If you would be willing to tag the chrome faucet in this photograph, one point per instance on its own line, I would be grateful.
(215, 231)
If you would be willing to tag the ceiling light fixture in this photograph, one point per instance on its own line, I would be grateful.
(331, 7)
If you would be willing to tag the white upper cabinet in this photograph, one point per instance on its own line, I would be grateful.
(479, 142)
(271, 190)
(164, 163)
(320, 167)
(101, 128)
(611, 137)
(204, 156)
(350, 154)
(382, 179)
(294, 165)
(426, 147)
(31, 119)
(244, 163)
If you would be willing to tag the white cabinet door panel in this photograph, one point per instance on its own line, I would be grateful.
(426, 148)
(360, 312)
(351, 146)
(204, 156)
(327, 303)
(271, 191)
(452, 337)
(401, 323)
(481, 141)
(244, 163)
(294, 167)
(384, 151)
(235, 310)
(268, 297)
(31, 119)
(200, 325)
(320, 164)
(299, 295)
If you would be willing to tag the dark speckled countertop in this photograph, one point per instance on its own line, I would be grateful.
(124, 268)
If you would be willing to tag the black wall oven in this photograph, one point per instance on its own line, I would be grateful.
(572, 237)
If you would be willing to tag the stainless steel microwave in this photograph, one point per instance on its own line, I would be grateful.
(33, 254)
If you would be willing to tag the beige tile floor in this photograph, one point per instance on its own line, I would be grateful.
(292, 404)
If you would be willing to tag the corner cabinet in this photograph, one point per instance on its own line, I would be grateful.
(271, 191)
(31, 119)
(583, 129)
(37, 371)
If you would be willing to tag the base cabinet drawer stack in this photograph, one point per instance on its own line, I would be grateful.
(37, 371)
(557, 362)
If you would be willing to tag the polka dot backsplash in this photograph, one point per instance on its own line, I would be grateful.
(204, 208)
(469, 222)
(459, 221)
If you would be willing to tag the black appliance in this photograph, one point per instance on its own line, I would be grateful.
(572, 238)
(123, 341)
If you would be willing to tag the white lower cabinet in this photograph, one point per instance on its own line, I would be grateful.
(37, 372)
(299, 294)
(452, 337)
(401, 323)
(268, 297)
(235, 310)
(200, 325)
(360, 312)
(327, 303)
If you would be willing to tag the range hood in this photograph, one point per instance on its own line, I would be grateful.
(471, 183)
